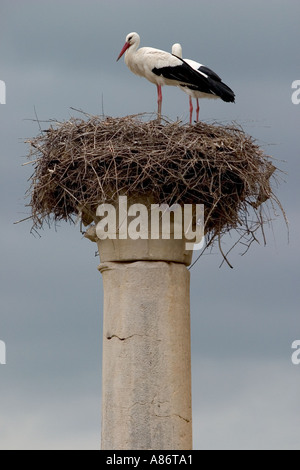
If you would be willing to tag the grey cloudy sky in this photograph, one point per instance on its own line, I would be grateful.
(60, 54)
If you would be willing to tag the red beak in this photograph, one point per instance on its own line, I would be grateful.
(125, 47)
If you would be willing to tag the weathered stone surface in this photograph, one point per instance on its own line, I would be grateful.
(146, 402)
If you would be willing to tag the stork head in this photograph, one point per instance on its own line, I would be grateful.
(132, 39)
(177, 50)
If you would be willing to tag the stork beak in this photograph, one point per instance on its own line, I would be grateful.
(125, 47)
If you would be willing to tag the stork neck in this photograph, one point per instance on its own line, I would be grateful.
(133, 48)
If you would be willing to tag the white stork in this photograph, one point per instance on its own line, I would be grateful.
(159, 67)
(211, 87)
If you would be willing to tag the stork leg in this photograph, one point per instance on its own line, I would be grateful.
(159, 101)
(191, 110)
(197, 110)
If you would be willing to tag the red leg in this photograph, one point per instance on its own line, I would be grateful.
(191, 110)
(197, 110)
(159, 100)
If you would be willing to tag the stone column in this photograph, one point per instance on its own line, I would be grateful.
(146, 381)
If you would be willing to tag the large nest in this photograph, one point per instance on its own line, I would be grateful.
(81, 163)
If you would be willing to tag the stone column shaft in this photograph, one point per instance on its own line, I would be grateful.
(146, 383)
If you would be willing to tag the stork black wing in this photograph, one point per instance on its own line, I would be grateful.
(183, 73)
(214, 85)
(191, 78)
(210, 73)
(223, 91)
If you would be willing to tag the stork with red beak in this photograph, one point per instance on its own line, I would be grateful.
(211, 86)
(159, 67)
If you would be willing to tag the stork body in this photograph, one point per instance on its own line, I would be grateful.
(159, 67)
(211, 86)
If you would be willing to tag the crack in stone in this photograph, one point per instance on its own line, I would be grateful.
(131, 336)
(159, 416)
(185, 419)
(170, 416)
(118, 337)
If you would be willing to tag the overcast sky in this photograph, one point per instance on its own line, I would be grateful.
(60, 54)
